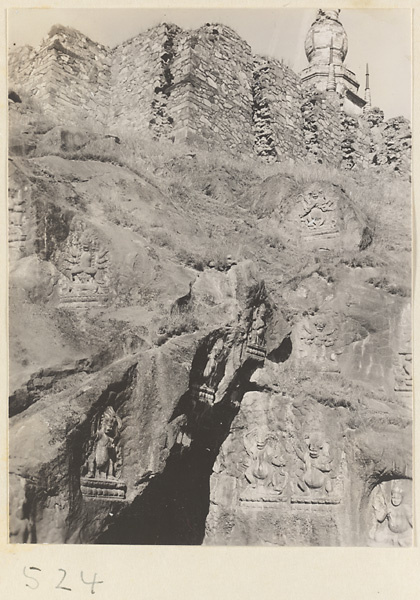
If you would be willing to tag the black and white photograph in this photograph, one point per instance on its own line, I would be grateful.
(210, 277)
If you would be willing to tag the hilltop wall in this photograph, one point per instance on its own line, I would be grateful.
(140, 79)
(277, 100)
(204, 87)
(69, 75)
(211, 95)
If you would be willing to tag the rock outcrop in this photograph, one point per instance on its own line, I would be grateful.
(204, 349)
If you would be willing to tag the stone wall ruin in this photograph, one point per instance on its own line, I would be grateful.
(205, 87)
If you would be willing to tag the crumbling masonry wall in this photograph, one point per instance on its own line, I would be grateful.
(277, 98)
(206, 88)
(211, 95)
(321, 128)
(141, 77)
(69, 75)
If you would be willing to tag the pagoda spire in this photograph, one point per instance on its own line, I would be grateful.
(368, 98)
(331, 84)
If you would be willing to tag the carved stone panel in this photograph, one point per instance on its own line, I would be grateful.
(207, 389)
(403, 372)
(390, 514)
(103, 460)
(17, 220)
(318, 215)
(318, 478)
(265, 475)
(84, 281)
(256, 345)
(403, 382)
(21, 522)
(318, 337)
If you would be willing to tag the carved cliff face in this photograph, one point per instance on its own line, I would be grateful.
(264, 402)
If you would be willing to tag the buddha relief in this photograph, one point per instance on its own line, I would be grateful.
(207, 389)
(318, 470)
(102, 467)
(392, 515)
(85, 266)
(256, 345)
(265, 472)
(317, 212)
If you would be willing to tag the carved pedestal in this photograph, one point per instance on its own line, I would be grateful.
(206, 393)
(76, 297)
(260, 495)
(256, 351)
(112, 489)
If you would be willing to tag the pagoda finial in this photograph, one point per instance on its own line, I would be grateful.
(331, 85)
(368, 98)
(327, 13)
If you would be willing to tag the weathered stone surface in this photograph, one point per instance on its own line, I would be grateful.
(205, 88)
(204, 349)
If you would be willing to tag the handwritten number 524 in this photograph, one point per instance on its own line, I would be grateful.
(34, 583)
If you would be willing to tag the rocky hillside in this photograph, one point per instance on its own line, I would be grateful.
(203, 349)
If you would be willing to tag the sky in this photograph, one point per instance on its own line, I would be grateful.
(380, 37)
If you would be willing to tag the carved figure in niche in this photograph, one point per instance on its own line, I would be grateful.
(212, 362)
(256, 336)
(21, 526)
(317, 465)
(207, 389)
(403, 376)
(317, 212)
(85, 266)
(264, 471)
(320, 331)
(16, 218)
(83, 272)
(394, 520)
(16, 209)
(102, 461)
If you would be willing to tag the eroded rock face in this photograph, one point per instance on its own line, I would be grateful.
(297, 469)
(126, 425)
(228, 363)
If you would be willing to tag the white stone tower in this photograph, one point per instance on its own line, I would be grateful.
(326, 46)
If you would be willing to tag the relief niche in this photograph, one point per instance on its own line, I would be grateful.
(207, 389)
(84, 265)
(265, 474)
(17, 220)
(390, 514)
(256, 344)
(318, 214)
(318, 474)
(101, 470)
